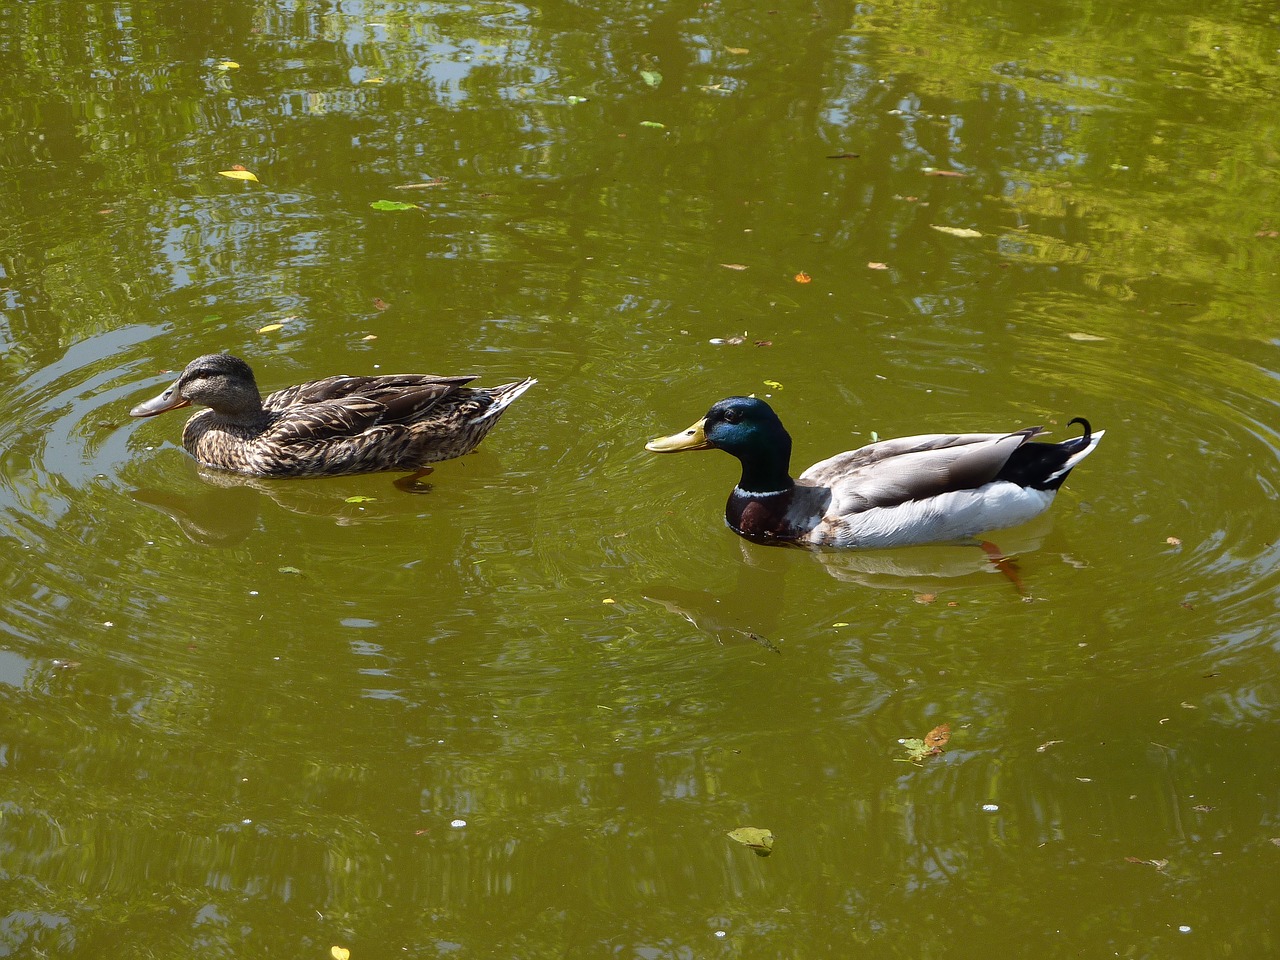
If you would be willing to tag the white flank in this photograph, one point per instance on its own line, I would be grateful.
(948, 517)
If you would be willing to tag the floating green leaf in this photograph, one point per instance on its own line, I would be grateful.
(757, 838)
(393, 205)
(653, 123)
(651, 77)
(360, 499)
(920, 749)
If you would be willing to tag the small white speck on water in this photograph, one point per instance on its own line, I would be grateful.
(253, 593)
(1184, 929)
(107, 623)
(457, 824)
(990, 807)
(720, 934)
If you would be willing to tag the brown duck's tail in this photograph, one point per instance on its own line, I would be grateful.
(504, 395)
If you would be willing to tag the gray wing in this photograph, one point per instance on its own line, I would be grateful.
(893, 472)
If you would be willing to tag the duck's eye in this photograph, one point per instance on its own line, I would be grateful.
(732, 416)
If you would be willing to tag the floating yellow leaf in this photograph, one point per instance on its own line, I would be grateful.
(238, 175)
(270, 328)
(608, 600)
(803, 277)
(374, 80)
(956, 231)
(773, 383)
(228, 65)
(340, 953)
(877, 265)
(1085, 337)
(737, 50)
(757, 838)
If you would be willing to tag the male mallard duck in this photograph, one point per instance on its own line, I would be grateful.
(329, 427)
(935, 488)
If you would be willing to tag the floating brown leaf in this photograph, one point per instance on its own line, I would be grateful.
(938, 736)
(803, 277)
(944, 173)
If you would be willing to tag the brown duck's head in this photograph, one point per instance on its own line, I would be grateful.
(216, 380)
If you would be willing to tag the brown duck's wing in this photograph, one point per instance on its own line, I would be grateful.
(893, 472)
(381, 388)
(345, 407)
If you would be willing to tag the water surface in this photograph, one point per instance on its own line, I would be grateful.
(517, 716)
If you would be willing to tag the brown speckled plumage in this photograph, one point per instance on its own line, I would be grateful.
(339, 425)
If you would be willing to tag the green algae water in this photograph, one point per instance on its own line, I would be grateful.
(518, 716)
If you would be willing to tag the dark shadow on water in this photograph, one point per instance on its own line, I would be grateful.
(227, 509)
(749, 611)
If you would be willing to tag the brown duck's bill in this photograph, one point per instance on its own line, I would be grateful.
(692, 439)
(171, 399)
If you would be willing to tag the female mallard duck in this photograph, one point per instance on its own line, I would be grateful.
(330, 427)
(936, 488)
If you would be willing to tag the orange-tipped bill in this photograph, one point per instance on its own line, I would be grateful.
(692, 439)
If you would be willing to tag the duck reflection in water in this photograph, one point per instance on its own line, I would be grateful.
(751, 609)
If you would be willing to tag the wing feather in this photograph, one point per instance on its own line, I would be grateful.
(896, 471)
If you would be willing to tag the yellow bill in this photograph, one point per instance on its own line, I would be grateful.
(692, 439)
